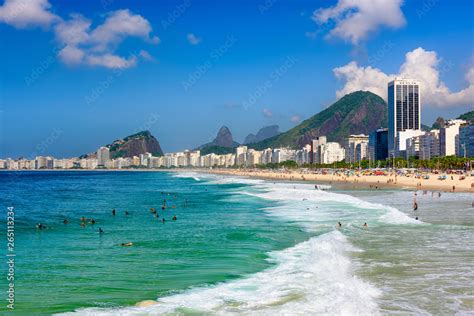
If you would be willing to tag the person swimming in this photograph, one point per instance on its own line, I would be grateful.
(113, 212)
(127, 213)
(83, 219)
(174, 217)
(339, 224)
(416, 218)
(92, 221)
(163, 220)
(101, 231)
(40, 226)
(83, 224)
(128, 244)
(415, 206)
(365, 224)
(65, 221)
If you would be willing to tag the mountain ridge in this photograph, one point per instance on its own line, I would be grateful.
(358, 112)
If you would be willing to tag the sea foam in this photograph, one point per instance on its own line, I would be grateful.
(312, 277)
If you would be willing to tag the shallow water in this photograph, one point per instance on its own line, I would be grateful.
(239, 246)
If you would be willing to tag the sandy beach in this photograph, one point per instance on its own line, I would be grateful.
(359, 180)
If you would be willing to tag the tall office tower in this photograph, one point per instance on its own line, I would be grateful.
(404, 109)
(103, 155)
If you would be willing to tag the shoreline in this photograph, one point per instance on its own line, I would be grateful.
(357, 181)
(351, 182)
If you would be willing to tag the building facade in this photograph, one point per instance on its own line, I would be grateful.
(447, 137)
(378, 144)
(404, 108)
(466, 140)
(356, 148)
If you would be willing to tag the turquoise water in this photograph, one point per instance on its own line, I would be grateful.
(238, 246)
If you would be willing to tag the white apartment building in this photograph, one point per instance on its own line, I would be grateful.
(401, 141)
(447, 137)
(240, 155)
(331, 152)
(429, 145)
(144, 158)
(356, 148)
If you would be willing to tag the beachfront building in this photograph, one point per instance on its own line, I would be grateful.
(266, 156)
(401, 141)
(192, 158)
(331, 152)
(253, 157)
(240, 155)
(103, 155)
(283, 154)
(413, 145)
(88, 163)
(404, 110)
(466, 140)
(315, 156)
(356, 148)
(302, 156)
(429, 145)
(144, 158)
(43, 162)
(378, 144)
(447, 137)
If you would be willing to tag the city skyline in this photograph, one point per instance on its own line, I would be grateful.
(182, 79)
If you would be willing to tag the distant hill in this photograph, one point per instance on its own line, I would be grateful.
(469, 116)
(134, 145)
(222, 144)
(359, 112)
(262, 134)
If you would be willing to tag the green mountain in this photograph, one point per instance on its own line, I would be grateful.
(134, 145)
(222, 144)
(359, 112)
(469, 116)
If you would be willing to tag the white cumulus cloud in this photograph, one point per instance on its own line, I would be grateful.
(96, 47)
(419, 64)
(27, 13)
(355, 20)
(80, 44)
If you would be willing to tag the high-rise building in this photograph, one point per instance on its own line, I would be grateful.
(378, 144)
(315, 156)
(404, 108)
(103, 155)
(356, 148)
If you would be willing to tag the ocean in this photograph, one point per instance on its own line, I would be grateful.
(237, 246)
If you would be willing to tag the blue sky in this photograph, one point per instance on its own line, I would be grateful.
(184, 68)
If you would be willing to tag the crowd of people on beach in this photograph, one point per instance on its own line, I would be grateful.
(91, 221)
